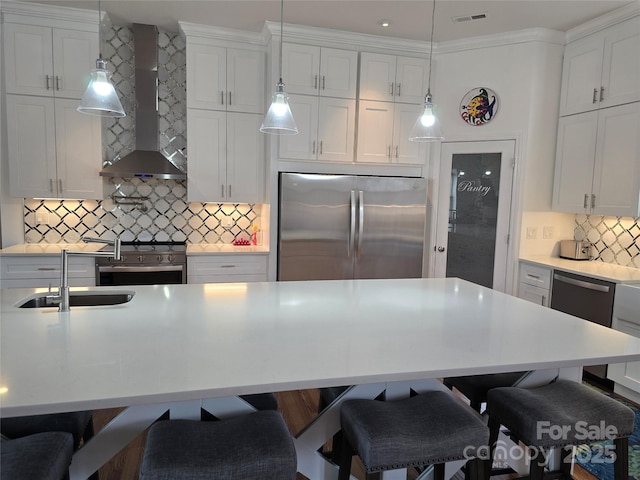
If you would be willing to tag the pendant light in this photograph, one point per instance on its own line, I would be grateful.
(279, 120)
(100, 97)
(427, 127)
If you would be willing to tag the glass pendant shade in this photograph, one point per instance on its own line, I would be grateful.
(427, 127)
(279, 119)
(100, 97)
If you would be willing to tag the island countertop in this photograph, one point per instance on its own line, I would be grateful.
(183, 342)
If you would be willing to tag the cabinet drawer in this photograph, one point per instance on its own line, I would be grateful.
(535, 276)
(191, 279)
(227, 265)
(534, 294)
(16, 267)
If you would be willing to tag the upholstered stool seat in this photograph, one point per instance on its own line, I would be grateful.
(559, 414)
(78, 424)
(429, 428)
(254, 446)
(476, 387)
(42, 456)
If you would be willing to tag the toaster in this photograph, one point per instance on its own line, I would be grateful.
(575, 250)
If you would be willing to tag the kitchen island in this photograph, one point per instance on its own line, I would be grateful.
(202, 344)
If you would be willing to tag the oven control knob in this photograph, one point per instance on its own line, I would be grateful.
(170, 258)
(122, 258)
(159, 258)
(141, 258)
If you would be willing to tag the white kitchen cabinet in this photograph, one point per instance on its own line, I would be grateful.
(535, 284)
(383, 134)
(226, 157)
(598, 162)
(228, 79)
(392, 78)
(54, 151)
(37, 271)
(52, 62)
(227, 268)
(602, 69)
(312, 70)
(326, 127)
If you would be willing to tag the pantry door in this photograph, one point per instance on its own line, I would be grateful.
(474, 205)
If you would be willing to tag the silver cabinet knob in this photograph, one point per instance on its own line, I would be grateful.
(441, 249)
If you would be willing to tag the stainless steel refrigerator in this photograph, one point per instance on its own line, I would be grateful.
(341, 227)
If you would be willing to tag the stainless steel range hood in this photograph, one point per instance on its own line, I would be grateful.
(146, 161)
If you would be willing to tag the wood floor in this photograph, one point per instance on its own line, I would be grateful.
(298, 407)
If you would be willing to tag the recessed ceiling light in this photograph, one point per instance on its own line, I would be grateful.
(384, 22)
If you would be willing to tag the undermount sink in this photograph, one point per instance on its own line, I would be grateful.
(78, 299)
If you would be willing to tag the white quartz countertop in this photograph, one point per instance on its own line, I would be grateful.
(49, 248)
(183, 342)
(601, 270)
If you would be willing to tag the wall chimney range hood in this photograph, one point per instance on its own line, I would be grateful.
(146, 161)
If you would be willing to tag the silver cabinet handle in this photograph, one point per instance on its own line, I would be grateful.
(229, 99)
(360, 221)
(51, 184)
(323, 82)
(320, 151)
(397, 154)
(586, 200)
(60, 187)
(313, 147)
(227, 266)
(391, 89)
(535, 277)
(48, 81)
(581, 283)
(57, 83)
(389, 152)
(47, 269)
(543, 302)
(593, 200)
(352, 223)
(222, 97)
(229, 190)
(601, 93)
(398, 90)
(595, 94)
(222, 191)
(441, 249)
(315, 82)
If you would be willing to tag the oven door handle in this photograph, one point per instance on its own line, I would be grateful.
(133, 269)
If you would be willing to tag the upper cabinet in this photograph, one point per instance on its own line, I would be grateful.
(602, 70)
(598, 162)
(312, 70)
(391, 78)
(48, 61)
(228, 79)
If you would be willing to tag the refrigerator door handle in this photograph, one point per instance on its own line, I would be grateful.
(360, 220)
(352, 220)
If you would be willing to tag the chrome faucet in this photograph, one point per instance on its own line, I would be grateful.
(63, 293)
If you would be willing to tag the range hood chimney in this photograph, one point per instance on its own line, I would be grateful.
(146, 161)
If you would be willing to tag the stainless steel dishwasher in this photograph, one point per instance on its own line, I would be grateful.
(588, 298)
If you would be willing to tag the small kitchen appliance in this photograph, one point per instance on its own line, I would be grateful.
(575, 250)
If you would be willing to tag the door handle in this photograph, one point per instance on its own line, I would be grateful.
(229, 190)
(586, 200)
(48, 81)
(397, 155)
(313, 147)
(593, 200)
(320, 150)
(57, 83)
(315, 82)
(229, 98)
(222, 191)
(222, 97)
(391, 89)
(398, 90)
(360, 221)
(441, 249)
(601, 93)
(595, 94)
(323, 82)
(352, 221)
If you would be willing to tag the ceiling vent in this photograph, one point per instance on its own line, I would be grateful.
(468, 18)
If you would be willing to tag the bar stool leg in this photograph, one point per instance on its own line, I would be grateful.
(621, 464)
(494, 432)
(345, 456)
(536, 467)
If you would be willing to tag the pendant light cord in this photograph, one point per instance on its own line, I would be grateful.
(433, 22)
(99, 31)
(281, 34)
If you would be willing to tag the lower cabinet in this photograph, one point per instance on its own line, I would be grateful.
(227, 268)
(626, 319)
(40, 271)
(535, 284)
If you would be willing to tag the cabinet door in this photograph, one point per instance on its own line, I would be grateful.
(206, 77)
(245, 158)
(375, 132)
(404, 151)
(74, 55)
(28, 59)
(32, 146)
(336, 129)
(616, 178)
(411, 80)
(621, 64)
(303, 146)
(377, 76)
(534, 294)
(79, 151)
(206, 144)
(301, 68)
(581, 74)
(338, 73)
(575, 155)
(245, 81)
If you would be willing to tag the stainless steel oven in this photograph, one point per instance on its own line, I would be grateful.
(151, 263)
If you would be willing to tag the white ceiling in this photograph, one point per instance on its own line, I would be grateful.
(410, 18)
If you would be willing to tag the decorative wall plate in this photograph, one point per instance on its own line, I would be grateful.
(479, 106)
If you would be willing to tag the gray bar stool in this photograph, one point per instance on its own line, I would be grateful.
(556, 415)
(476, 387)
(427, 429)
(42, 456)
(248, 447)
